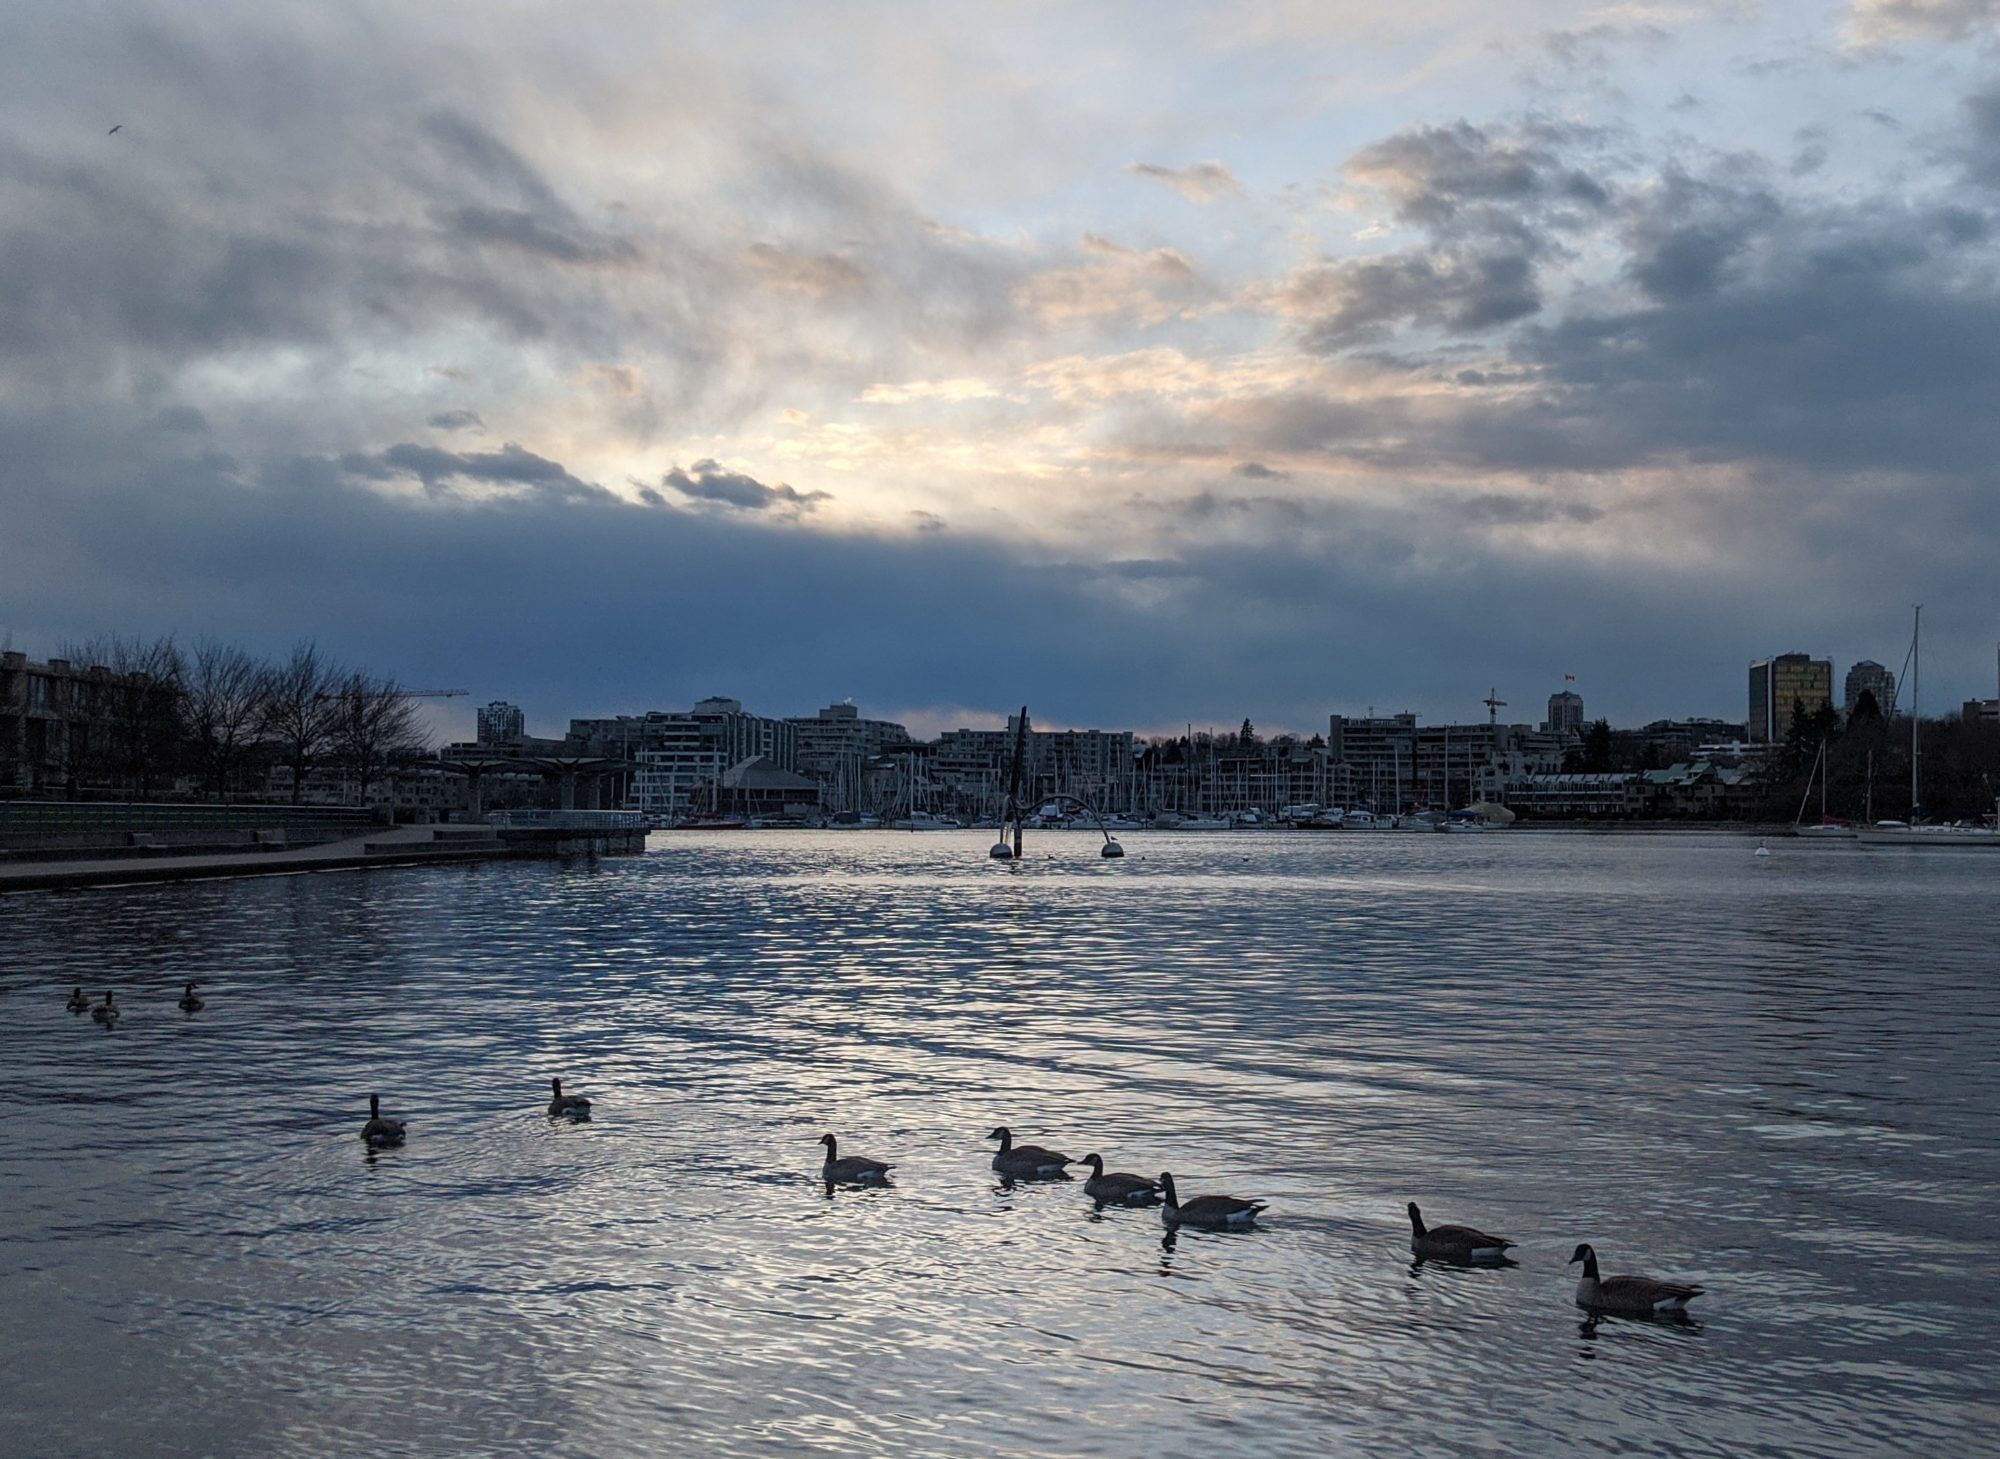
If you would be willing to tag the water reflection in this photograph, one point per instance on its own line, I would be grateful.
(1565, 1035)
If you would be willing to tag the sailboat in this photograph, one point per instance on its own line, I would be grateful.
(1914, 833)
(1825, 828)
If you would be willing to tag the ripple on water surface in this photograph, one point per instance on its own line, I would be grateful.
(1773, 1077)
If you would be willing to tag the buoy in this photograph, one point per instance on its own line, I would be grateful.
(1111, 849)
(1762, 849)
(1001, 851)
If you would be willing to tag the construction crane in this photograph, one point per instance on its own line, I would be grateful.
(1494, 704)
(406, 693)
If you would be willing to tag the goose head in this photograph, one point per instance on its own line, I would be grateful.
(830, 1143)
(1587, 1254)
(1004, 1135)
(374, 1106)
(1167, 1185)
(1416, 1219)
(555, 1088)
(1096, 1164)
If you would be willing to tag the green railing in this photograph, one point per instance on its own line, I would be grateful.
(22, 818)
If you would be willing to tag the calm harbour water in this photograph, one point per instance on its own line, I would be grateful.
(1773, 1076)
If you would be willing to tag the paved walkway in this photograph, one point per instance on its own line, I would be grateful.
(383, 846)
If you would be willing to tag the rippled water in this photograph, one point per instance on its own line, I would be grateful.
(1772, 1076)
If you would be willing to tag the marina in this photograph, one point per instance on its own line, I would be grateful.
(1770, 1104)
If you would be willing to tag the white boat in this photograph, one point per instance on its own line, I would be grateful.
(923, 821)
(1358, 819)
(1901, 833)
(1826, 829)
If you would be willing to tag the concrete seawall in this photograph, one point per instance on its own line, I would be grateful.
(399, 846)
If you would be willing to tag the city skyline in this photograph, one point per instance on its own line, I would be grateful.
(1147, 366)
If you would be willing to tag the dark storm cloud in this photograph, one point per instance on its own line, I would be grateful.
(1496, 205)
(1258, 471)
(439, 470)
(709, 481)
(1762, 326)
(456, 420)
(1684, 234)
(1139, 641)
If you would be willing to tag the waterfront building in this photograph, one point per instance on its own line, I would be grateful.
(1461, 764)
(1372, 759)
(1565, 714)
(501, 723)
(1869, 677)
(65, 725)
(836, 744)
(758, 787)
(681, 757)
(1780, 685)
(971, 767)
(1568, 796)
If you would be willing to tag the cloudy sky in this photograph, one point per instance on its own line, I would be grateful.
(1148, 363)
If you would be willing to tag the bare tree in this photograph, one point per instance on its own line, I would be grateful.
(373, 722)
(225, 704)
(300, 711)
(140, 707)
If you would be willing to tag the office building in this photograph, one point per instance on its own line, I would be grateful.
(1565, 713)
(1783, 685)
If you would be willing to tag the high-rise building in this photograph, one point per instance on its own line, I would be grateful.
(501, 723)
(1565, 713)
(1872, 678)
(1780, 685)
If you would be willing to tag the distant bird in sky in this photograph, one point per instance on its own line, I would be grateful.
(119, 128)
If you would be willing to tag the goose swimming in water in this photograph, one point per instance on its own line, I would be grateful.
(380, 1133)
(106, 1012)
(189, 1003)
(850, 1169)
(1118, 1188)
(574, 1105)
(78, 1002)
(1453, 1243)
(1632, 1296)
(1026, 1162)
(1216, 1213)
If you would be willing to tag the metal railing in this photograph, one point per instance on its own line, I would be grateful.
(545, 820)
(19, 818)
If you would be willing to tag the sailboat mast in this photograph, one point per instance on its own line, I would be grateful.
(1916, 693)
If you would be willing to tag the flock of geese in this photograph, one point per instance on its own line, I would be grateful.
(1628, 1296)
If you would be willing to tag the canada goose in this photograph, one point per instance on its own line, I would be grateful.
(1217, 1213)
(1634, 1296)
(189, 1003)
(574, 1105)
(1026, 1162)
(1118, 1188)
(78, 1002)
(106, 1012)
(852, 1169)
(381, 1134)
(1453, 1243)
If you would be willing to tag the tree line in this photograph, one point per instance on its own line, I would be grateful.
(218, 716)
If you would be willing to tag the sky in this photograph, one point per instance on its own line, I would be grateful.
(1150, 364)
